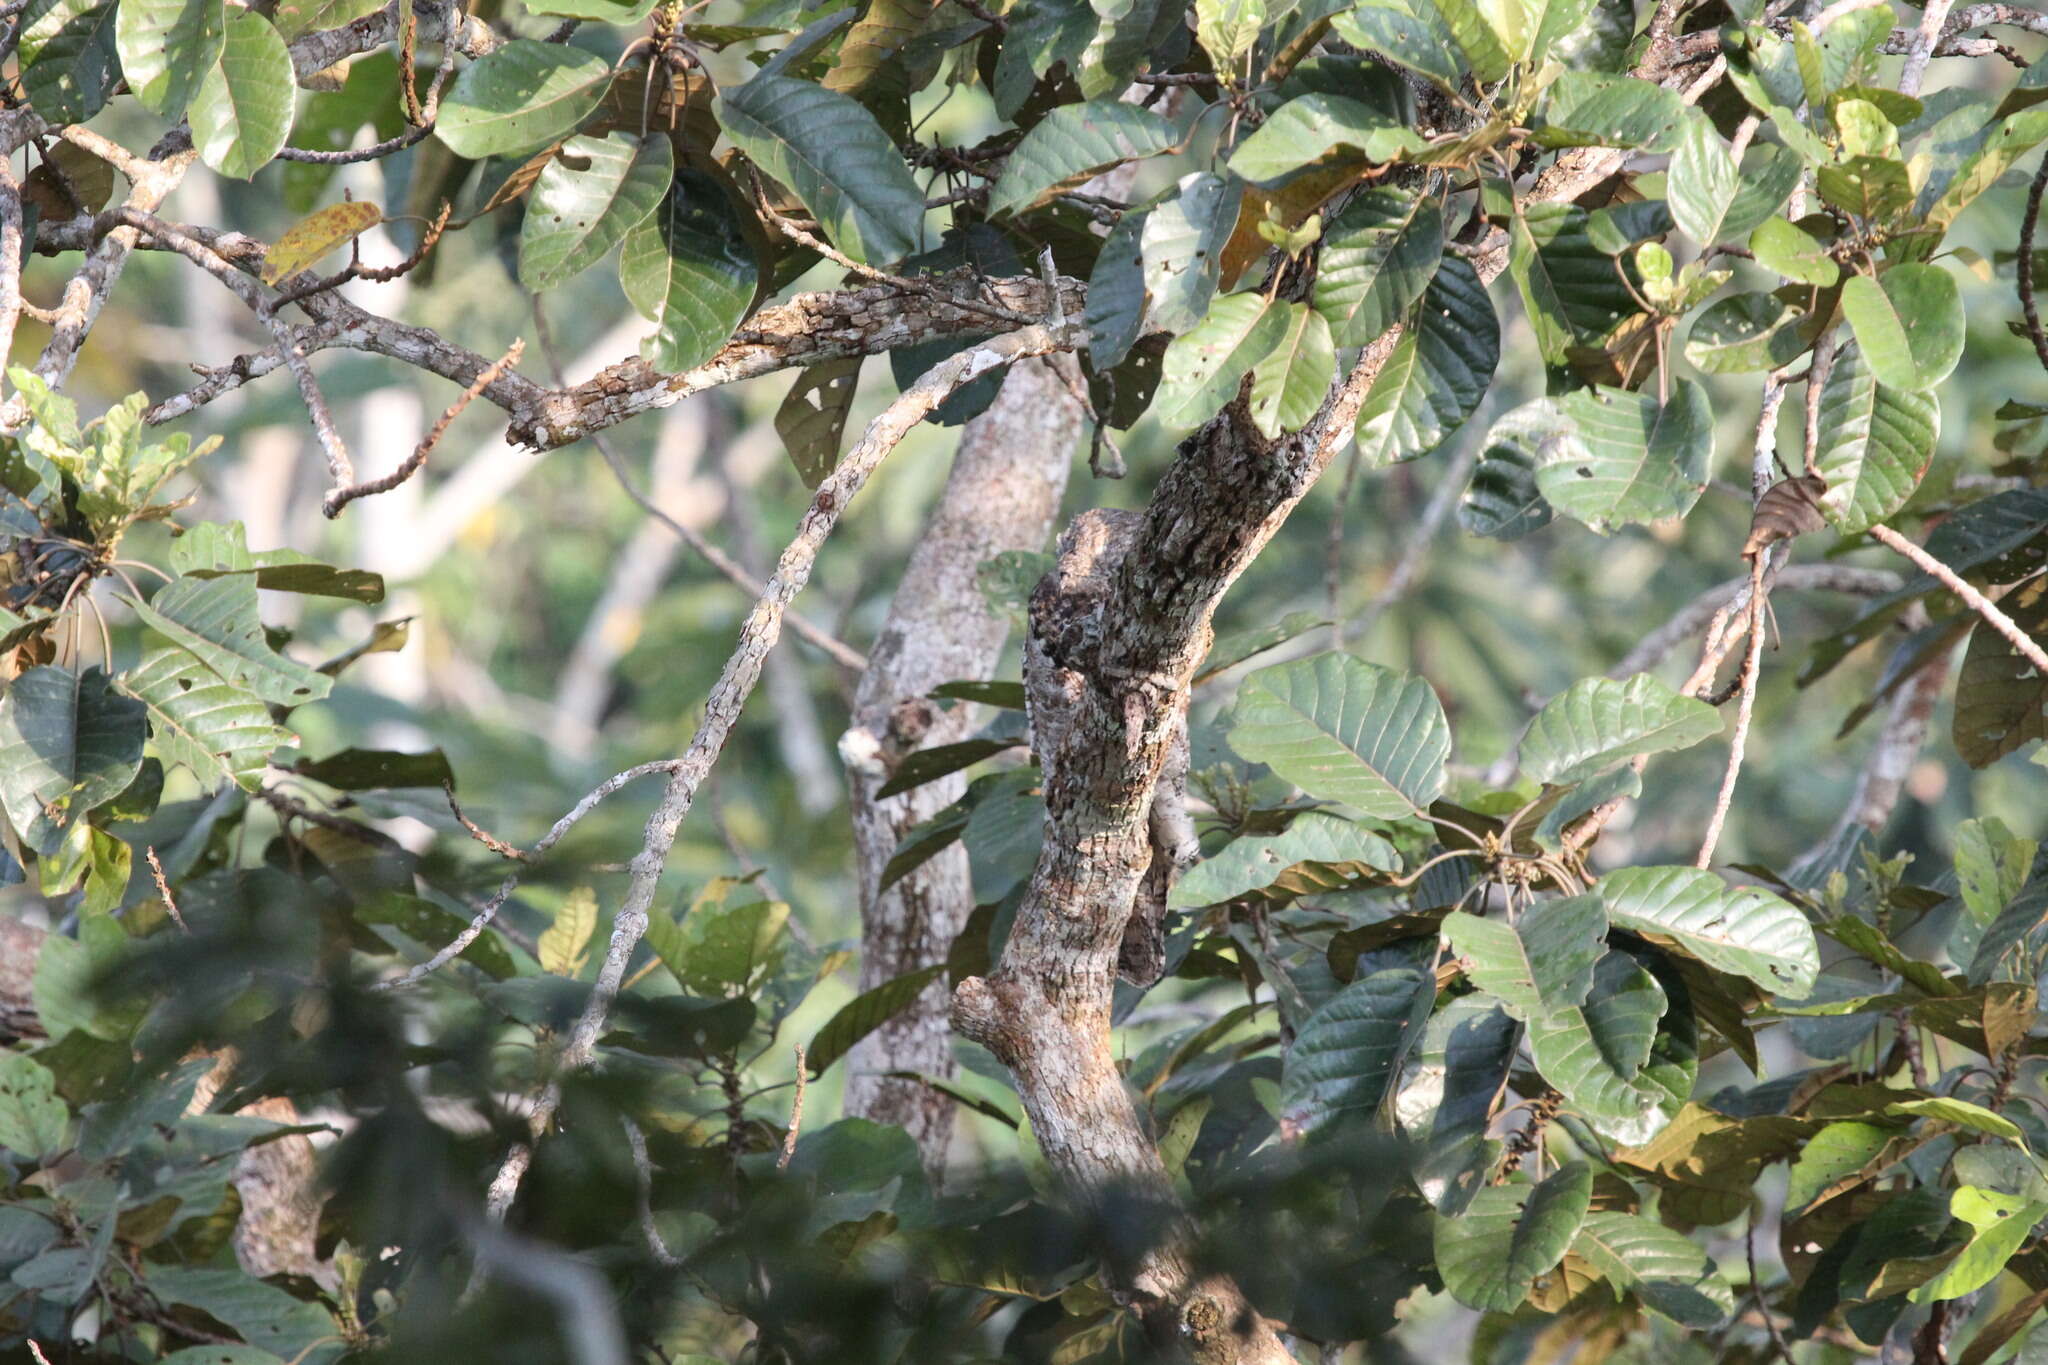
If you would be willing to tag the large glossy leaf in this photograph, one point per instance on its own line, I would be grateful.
(1740, 930)
(835, 157)
(1744, 333)
(1587, 108)
(1346, 730)
(1908, 323)
(1204, 366)
(1316, 852)
(1611, 458)
(1666, 1269)
(1182, 241)
(1999, 1223)
(1503, 500)
(1291, 380)
(220, 731)
(1417, 39)
(1875, 443)
(1073, 143)
(167, 47)
(215, 620)
(1702, 183)
(242, 111)
(1574, 292)
(1595, 1054)
(595, 191)
(1378, 256)
(69, 61)
(1449, 1086)
(1316, 129)
(1598, 722)
(525, 95)
(68, 743)
(688, 267)
(1437, 373)
(1541, 963)
(1345, 1054)
(2001, 698)
(1510, 1234)
(1116, 295)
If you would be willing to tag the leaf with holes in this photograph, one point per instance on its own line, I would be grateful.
(1908, 324)
(1740, 930)
(1437, 373)
(586, 200)
(1574, 292)
(221, 732)
(1228, 29)
(1378, 256)
(524, 95)
(1316, 852)
(1597, 722)
(216, 621)
(1346, 730)
(1612, 458)
(68, 743)
(1291, 380)
(1544, 962)
(813, 415)
(1072, 144)
(1875, 443)
(1182, 244)
(1345, 1054)
(242, 111)
(1491, 1255)
(33, 1120)
(833, 155)
(1744, 333)
(167, 47)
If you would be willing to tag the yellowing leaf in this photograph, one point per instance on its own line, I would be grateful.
(301, 246)
(564, 948)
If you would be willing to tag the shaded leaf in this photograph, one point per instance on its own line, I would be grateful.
(865, 1013)
(1072, 144)
(521, 96)
(1875, 443)
(68, 743)
(1344, 1056)
(1437, 372)
(1316, 852)
(1490, 1257)
(1378, 256)
(1541, 963)
(588, 197)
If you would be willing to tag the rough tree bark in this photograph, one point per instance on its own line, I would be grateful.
(1003, 493)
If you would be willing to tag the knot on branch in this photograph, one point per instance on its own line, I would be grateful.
(979, 1016)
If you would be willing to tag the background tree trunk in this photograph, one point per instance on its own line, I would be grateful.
(1003, 494)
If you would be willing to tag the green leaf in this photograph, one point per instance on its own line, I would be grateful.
(1611, 458)
(69, 59)
(865, 1013)
(1875, 443)
(1769, 175)
(1346, 730)
(1541, 963)
(167, 47)
(1420, 41)
(1999, 1224)
(1116, 295)
(242, 111)
(587, 199)
(1204, 367)
(929, 765)
(33, 1121)
(300, 1332)
(1490, 1257)
(354, 770)
(2013, 139)
(431, 925)
(1437, 373)
(1183, 241)
(1345, 1054)
(68, 743)
(1316, 852)
(1317, 129)
(1592, 108)
(1290, 382)
(1991, 866)
(219, 730)
(1740, 930)
(565, 946)
(1793, 253)
(1446, 1097)
(1597, 722)
(1227, 31)
(1378, 256)
(688, 267)
(1483, 34)
(1595, 1054)
(1575, 293)
(1233, 649)
(1702, 183)
(834, 157)
(1503, 500)
(1836, 1151)
(524, 95)
(1666, 1269)
(603, 11)
(1908, 324)
(1744, 333)
(213, 548)
(2001, 697)
(215, 620)
(1962, 1113)
(1072, 144)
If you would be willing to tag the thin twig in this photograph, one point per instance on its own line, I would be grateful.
(2028, 647)
(2028, 222)
(736, 683)
(1756, 1289)
(796, 1115)
(643, 1193)
(1752, 665)
(482, 835)
(163, 888)
(413, 463)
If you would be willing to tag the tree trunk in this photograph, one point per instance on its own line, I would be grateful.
(1003, 494)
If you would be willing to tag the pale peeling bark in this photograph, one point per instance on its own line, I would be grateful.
(1116, 632)
(1003, 493)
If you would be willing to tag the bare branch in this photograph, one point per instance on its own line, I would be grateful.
(1932, 18)
(10, 255)
(2029, 648)
(1752, 664)
(1692, 618)
(413, 463)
